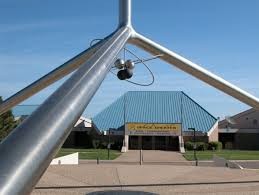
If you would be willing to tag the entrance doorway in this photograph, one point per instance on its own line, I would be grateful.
(154, 143)
(160, 143)
(173, 143)
(147, 142)
(134, 143)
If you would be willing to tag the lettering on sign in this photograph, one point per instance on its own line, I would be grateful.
(162, 129)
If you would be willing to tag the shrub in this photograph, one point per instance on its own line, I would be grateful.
(199, 146)
(215, 146)
(96, 143)
(103, 145)
(188, 145)
(116, 145)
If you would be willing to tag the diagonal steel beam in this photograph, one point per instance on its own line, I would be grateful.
(29, 149)
(40, 136)
(194, 69)
(50, 78)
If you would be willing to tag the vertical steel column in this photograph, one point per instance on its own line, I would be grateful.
(49, 78)
(27, 151)
(124, 13)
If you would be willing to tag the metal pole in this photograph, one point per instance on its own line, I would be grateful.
(41, 135)
(181, 141)
(140, 157)
(27, 151)
(98, 158)
(50, 78)
(124, 13)
(195, 147)
(195, 70)
(109, 144)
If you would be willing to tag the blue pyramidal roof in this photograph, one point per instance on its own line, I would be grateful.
(154, 107)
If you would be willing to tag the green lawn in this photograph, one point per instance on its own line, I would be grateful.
(227, 154)
(90, 154)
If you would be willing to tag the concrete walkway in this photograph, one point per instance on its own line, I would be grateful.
(159, 179)
(248, 164)
(151, 156)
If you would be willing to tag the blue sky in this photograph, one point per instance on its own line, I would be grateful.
(223, 36)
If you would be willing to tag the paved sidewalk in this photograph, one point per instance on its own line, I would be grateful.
(160, 179)
(248, 164)
(151, 156)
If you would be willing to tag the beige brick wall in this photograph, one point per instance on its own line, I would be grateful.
(214, 136)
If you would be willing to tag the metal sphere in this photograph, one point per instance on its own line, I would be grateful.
(129, 73)
(129, 64)
(122, 75)
(119, 63)
(125, 74)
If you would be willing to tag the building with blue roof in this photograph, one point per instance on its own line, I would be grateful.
(156, 120)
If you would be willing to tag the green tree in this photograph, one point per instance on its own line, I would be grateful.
(7, 123)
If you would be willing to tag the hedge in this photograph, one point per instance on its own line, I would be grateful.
(200, 146)
(215, 146)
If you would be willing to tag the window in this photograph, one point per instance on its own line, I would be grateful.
(255, 122)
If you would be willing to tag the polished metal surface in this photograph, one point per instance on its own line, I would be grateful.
(125, 13)
(195, 70)
(27, 151)
(49, 78)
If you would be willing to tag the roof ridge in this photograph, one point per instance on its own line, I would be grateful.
(248, 111)
(155, 104)
(199, 105)
(240, 114)
(124, 95)
(107, 107)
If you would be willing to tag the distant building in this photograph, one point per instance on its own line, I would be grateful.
(156, 120)
(81, 135)
(152, 120)
(240, 131)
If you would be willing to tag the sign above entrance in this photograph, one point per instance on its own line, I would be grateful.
(158, 129)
